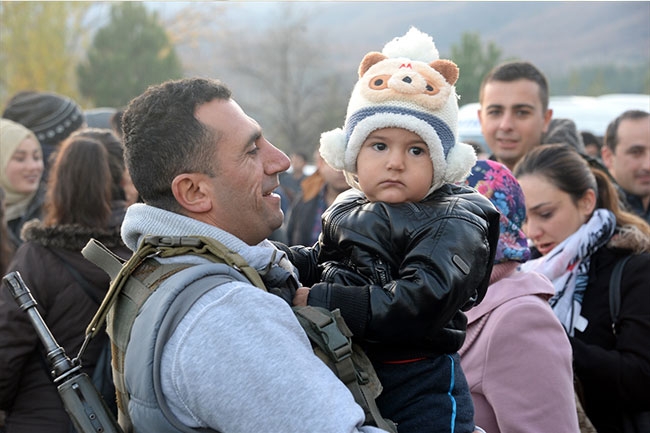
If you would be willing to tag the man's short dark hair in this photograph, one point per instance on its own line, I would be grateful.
(163, 138)
(611, 135)
(512, 71)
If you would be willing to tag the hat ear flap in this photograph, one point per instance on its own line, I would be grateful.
(332, 148)
(460, 160)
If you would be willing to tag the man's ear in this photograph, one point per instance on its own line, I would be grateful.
(547, 119)
(607, 156)
(191, 191)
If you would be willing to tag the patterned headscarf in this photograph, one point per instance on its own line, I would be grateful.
(495, 181)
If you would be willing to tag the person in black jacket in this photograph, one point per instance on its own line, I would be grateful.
(405, 251)
(579, 233)
(318, 192)
(67, 287)
(626, 153)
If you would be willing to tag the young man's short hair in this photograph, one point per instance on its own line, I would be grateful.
(512, 71)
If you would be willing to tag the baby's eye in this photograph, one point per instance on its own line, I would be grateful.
(419, 150)
(379, 146)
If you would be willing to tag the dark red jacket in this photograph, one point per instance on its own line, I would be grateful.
(27, 392)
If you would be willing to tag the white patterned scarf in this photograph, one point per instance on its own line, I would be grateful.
(567, 266)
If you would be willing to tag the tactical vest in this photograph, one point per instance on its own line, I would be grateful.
(132, 284)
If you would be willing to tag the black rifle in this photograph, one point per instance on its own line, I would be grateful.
(81, 400)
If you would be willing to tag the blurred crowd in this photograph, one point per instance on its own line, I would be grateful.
(573, 203)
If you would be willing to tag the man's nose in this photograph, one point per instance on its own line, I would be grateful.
(276, 160)
(506, 121)
(645, 160)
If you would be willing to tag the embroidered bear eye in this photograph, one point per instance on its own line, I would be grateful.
(379, 82)
(431, 89)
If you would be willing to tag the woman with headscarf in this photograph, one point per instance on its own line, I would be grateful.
(516, 356)
(21, 169)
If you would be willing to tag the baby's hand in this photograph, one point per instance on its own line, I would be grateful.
(300, 299)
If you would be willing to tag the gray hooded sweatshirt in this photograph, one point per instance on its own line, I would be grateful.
(239, 360)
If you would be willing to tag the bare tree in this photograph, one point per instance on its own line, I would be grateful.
(284, 77)
(192, 30)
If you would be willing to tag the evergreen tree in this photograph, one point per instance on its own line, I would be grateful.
(130, 53)
(474, 62)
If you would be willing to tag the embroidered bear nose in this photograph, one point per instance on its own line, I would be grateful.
(407, 80)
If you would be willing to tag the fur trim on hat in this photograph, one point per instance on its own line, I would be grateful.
(332, 148)
(460, 160)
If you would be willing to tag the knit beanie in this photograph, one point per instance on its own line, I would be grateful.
(564, 131)
(50, 116)
(405, 86)
(497, 183)
(12, 134)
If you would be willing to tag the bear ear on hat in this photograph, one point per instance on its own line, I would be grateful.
(370, 59)
(447, 69)
(332, 148)
(460, 160)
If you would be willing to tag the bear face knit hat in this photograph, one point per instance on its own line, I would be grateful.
(496, 182)
(405, 86)
(52, 117)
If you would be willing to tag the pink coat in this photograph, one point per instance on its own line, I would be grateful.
(518, 359)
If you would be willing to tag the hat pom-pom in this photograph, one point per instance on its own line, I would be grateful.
(460, 160)
(332, 148)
